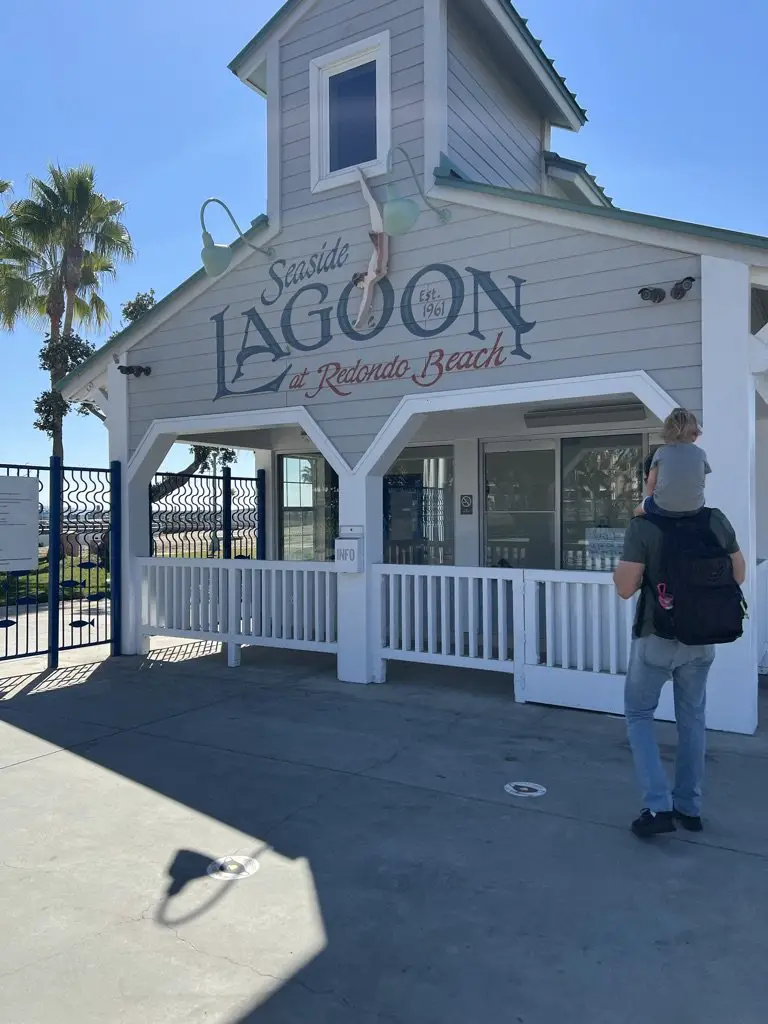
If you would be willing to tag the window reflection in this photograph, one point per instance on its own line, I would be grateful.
(520, 509)
(418, 507)
(601, 485)
(309, 509)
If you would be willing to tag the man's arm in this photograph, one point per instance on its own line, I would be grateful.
(739, 567)
(628, 576)
(726, 534)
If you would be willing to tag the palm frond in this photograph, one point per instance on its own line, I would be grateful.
(99, 311)
(65, 234)
(19, 300)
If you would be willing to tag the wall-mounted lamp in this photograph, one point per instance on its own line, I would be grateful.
(400, 215)
(216, 258)
(652, 294)
(681, 289)
(135, 371)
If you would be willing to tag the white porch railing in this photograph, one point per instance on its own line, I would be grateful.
(761, 615)
(578, 634)
(445, 615)
(576, 620)
(565, 635)
(268, 604)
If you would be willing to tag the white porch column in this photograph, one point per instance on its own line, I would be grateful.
(761, 470)
(117, 424)
(361, 505)
(728, 394)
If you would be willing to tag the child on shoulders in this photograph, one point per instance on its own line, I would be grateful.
(675, 485)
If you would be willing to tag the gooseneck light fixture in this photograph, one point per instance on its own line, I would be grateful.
(216, 258)
(400, 215)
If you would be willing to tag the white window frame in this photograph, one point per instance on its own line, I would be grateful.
(321, 70)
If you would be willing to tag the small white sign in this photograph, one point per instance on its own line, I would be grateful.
(19, 523)
(349, 554)
(604, 540)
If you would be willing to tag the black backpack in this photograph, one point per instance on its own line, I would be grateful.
(696, 599)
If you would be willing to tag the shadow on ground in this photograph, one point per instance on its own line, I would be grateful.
(396, 880)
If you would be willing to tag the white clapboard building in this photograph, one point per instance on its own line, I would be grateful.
(451, 353)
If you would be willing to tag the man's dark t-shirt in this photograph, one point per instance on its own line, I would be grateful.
(642, 543)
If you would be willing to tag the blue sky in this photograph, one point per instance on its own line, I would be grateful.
(142, 91)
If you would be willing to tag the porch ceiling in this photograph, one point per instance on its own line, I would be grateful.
(249, 439)
(535, 419)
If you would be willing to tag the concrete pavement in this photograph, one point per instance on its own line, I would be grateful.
(397, 880)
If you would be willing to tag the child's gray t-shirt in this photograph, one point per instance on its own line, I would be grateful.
(682, 468)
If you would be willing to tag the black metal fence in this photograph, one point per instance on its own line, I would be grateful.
(207, 516)
(66, 602)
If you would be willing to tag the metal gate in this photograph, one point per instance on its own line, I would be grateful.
(207, 515)
(72, 599)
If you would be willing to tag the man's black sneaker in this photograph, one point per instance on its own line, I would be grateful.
(653, 823)
(690, 822)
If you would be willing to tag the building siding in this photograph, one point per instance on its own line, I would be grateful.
(329, 25)
(493, 134)
(580, 289)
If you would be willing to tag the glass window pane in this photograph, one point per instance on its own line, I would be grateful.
(352, 116)
(521, 481)
(418, 507)
(309, 510)
(524, 540)
(292, 495)
(601, 485)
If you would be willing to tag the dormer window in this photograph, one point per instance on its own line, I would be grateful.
(350, 113)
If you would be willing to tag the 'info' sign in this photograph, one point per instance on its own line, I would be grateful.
(349, 554)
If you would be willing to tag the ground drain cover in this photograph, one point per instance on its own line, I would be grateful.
(525, 789)
(230, 869)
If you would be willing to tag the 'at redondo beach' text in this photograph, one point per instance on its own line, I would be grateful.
(340, 379)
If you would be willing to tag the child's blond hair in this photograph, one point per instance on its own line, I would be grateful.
(681, 426)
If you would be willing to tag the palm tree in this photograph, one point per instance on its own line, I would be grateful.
(63, 240)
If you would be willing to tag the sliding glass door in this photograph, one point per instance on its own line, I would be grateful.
(602, 482)
(520, 505)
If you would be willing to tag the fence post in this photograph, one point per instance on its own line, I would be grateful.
(54, 560)
(226, 485)
(261, 515)
(115, 556)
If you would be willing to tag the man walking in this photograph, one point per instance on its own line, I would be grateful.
(660, 561)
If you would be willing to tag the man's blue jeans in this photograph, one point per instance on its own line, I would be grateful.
(652, 661)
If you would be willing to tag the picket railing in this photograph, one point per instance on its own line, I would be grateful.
(268, 604)
(445, 615)
(576, 620)
(564, 636)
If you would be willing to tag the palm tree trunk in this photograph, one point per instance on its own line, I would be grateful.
(170, 484)
(69, 313)
(55, 312)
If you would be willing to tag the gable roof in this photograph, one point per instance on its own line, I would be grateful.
(244, 56)
(573, 114)
(445, 176)
(561, 168)
(125, 337)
